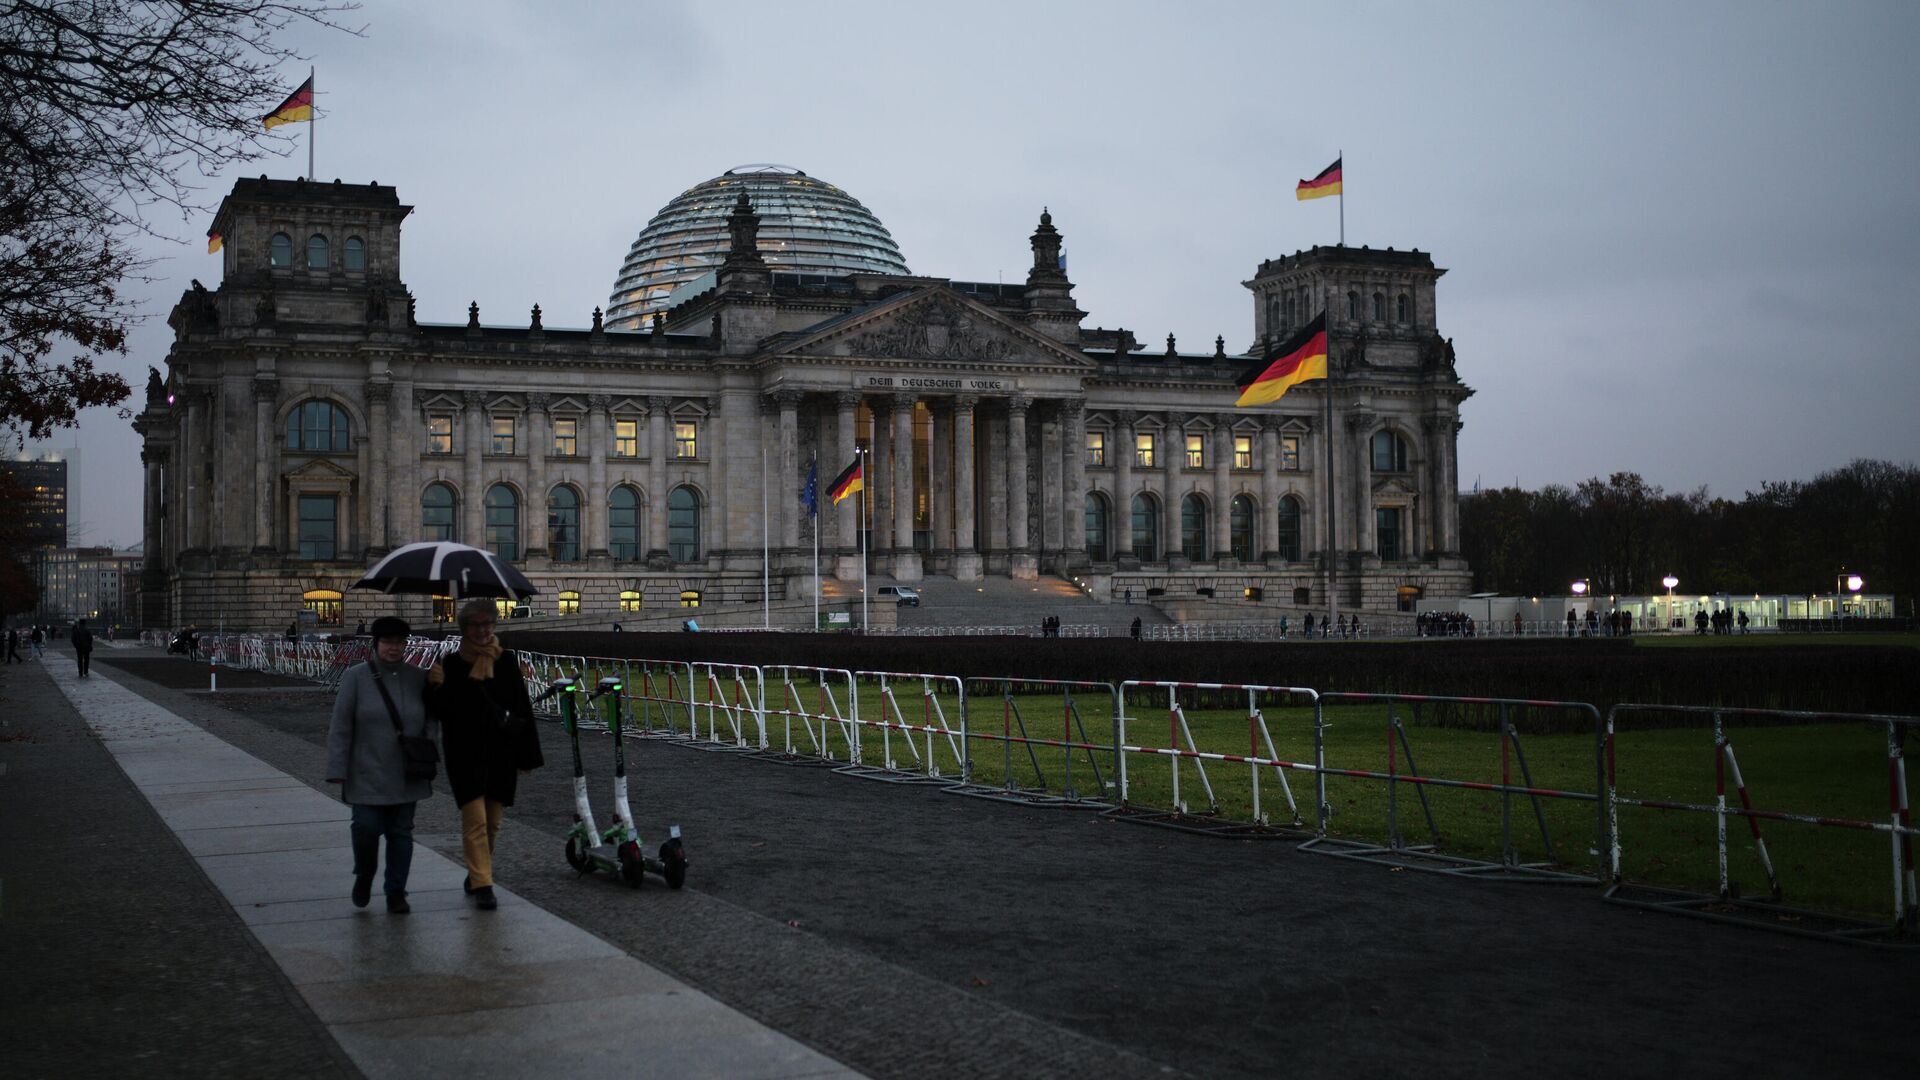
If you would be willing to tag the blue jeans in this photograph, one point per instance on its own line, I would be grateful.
(395, 823)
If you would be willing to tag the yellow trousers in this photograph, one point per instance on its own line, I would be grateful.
(479, 827)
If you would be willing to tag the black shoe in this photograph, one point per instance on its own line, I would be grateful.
(362, 890)
(483, 898)
(466, 886)
(397, 903)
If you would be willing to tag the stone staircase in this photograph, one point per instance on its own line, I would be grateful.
(945, 602)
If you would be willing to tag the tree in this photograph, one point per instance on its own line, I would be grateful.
(109, 110)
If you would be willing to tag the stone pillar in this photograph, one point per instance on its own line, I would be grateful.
(846, 519)
(1023, 565)
(1266, 528)
(1053, 472)
(265, 393)
(966, 560)
(192, 461)
(785, 497)
(1122, 522)
(379, 453)
(1073, 500)
(1360, 493)
(879, 469)
(906, 561)
(940, 484)
(473, 517)
(1449, 494)
(660, 443)
(1223, 490)
(1175, 450)
(593, 506)
(539, 534)
(717, 522)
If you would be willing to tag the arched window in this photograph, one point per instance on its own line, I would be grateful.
(683, 525)
(1241, 511)
(1389, 452)
(316, 252)
(1193, 527)
(437, 505)
(623, 523)
(569, 602)
(1146, 528)
(1096, 526)
(1402, 312)
(563, 524)
(503, 521)
(1379, 308)
(1273, 314)
(280, 251)
(317, 426)
(1286, 313)
(325, 605)
(1286, 538)
(1353, 307)
(355, 254)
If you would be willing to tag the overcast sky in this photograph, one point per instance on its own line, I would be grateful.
(1680, 238)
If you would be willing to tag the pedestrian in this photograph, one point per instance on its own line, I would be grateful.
(293, 633)
(1572, 619)
(13, 646)
(83, 646)
(1309, 625)
(486, 720)
(1283, 626)
(381, 709)
(1128, 593)
(1135, 629)
(1700, 621)
(39, 641)
(110, 627)
(361, 630)
(616, 628)
(1743, 621)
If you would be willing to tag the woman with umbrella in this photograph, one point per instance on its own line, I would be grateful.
(487, 731)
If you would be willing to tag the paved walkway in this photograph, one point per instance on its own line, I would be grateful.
(445, 991)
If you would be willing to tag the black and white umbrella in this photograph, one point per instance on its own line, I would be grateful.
(441, 567)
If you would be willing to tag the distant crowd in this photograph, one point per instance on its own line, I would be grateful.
(1443, 624)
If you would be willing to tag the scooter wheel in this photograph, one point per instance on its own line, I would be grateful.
(673, 861)
(633, 868)
(577, 856)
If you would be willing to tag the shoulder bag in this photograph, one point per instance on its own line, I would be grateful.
(421, 756)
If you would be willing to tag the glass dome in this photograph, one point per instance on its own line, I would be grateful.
(806, 226)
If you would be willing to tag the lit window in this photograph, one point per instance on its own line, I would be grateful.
(355, 257)
(319, 426)
(626, 438)
(1196, 452)
(436, 512)
(316, 252)
(1243, 451)
(569, 603)
(503, 435)
(629, 601)
(443, 609)
(1290, 452)
(1096, 448)
(319, 515)
(686, 439)
(280, 251)
(439, 434)
(1143, 451)
(325, 605)
(504, 609)
(690, 598)
(566, 437)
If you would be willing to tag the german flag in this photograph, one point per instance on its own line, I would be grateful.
(1327, 183)
(214, 241)
(297, 107)
(846, 483)
(1303, 356)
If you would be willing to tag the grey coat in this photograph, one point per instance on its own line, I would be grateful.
(362, 748)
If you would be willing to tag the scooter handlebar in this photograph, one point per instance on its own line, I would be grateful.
(560, 686)
(609, 685)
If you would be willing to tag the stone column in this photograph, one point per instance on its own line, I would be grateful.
(1053, 471)
(1073, 500)
(593, 513)
(1223, 490)
(717, 522)
(150, 506)
(660, 443)
(265, 393)
(1360, 494)
(379, 446)
(1023, 565)
(1122, 522)
(879, 468)
(473, 519)
(966, 560)
(940, 483)
(1176, 459)
(539, 534)
(784, 500)
(846, 518)
(1449, 494)
(1266, 529)
(906, 561)
(191, 471)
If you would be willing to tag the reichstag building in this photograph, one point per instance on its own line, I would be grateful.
(762, 321)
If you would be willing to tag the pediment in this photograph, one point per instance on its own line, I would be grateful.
(935, 324)
(319, 469)
(1394, 486)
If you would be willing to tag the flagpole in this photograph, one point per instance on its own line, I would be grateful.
(1342, 159)
(1333, 514)
(313, 125)
(860, 526)
(766, 548)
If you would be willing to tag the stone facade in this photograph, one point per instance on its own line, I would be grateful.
(308, 423)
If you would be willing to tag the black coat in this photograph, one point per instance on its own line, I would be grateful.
(481, 759)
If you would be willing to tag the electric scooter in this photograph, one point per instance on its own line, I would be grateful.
(618, 849)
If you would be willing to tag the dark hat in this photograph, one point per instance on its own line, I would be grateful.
(387, 626)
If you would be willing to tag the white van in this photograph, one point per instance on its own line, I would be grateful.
(904, 595)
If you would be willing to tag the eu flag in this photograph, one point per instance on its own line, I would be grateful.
(810, 494)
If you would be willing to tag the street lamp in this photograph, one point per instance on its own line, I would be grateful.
(1670, 582)
(1845, 584)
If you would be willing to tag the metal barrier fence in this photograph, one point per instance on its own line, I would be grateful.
(1429, 855)
(1135, 697)
(1789, 764)
(1072, 630)
(1021, 700)
(836, 699)
(941, 699)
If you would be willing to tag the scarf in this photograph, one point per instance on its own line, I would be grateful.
(482, 658)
